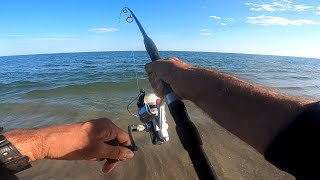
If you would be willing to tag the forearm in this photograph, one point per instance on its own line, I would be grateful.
(49, 142)
(36, 143)
(78, 141)
(254, 114)
(28, 142)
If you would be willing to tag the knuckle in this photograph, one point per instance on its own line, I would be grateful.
(172, 58)
(88, 126)
(154, 85)
(118, 154)
(146, 66)
(111, 133)
(104, 119)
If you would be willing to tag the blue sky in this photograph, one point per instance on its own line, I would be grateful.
(276, 27)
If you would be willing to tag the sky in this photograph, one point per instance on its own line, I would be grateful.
(273, 27)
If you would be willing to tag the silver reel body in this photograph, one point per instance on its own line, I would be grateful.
(151, 111)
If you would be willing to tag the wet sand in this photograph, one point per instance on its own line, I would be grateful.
(231, 158)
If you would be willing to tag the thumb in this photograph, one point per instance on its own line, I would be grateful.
(155, 66)
(114, 152)
(107, 167)
(148, 67)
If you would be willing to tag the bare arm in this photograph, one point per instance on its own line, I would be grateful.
(80, 141)
(254, 114)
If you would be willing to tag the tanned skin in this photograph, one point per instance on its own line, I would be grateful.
(254, 114)
(80, 141)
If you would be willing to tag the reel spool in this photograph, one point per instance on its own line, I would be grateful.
(151, 111)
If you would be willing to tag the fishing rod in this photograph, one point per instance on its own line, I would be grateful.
(186, 130)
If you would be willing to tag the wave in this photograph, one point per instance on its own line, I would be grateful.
(290, 88)
(22, 84)
(32, 114)
(89, 88)
(16, 87)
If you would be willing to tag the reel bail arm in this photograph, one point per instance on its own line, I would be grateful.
(151, 112)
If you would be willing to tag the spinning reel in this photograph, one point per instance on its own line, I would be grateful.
(151, 112)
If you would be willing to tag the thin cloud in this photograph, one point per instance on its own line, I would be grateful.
(205, 32)
(280, 5)
(50, 39)
(230, 19)
(302, 7)
(103, 30)
(45, 37)
(260, 7)
(274, 6)
(273, 20)
(17, 35)
(318, 8)
(223, 24)
(215, 17)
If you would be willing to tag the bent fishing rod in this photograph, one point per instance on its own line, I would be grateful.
(186, 130)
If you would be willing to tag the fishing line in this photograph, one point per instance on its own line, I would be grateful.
(130, 19)
(136, 71)
(138, 86)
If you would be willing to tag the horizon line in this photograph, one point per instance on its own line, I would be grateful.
(71, 52)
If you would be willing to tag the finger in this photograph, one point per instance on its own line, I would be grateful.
(158, 88)
(154, 81)
(156, 84)
(104, 150)
(154, 66)
(174, 59)
(111, 131)
(152, 75)
(148, 67)
(107, 166)
(122, 136)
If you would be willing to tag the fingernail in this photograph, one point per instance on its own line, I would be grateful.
(129, 154)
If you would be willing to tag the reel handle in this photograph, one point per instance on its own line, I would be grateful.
(115, 142)
(133, 144)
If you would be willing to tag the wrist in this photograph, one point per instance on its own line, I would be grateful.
(28, 142)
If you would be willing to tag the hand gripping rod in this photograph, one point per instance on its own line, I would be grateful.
(186, 130)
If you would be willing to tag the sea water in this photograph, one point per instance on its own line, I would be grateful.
(51, 89)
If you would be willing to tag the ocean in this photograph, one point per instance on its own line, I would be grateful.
(51, 89)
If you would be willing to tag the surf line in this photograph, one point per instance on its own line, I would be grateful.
(186, 130)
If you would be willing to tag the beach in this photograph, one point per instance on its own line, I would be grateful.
(53, 89)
